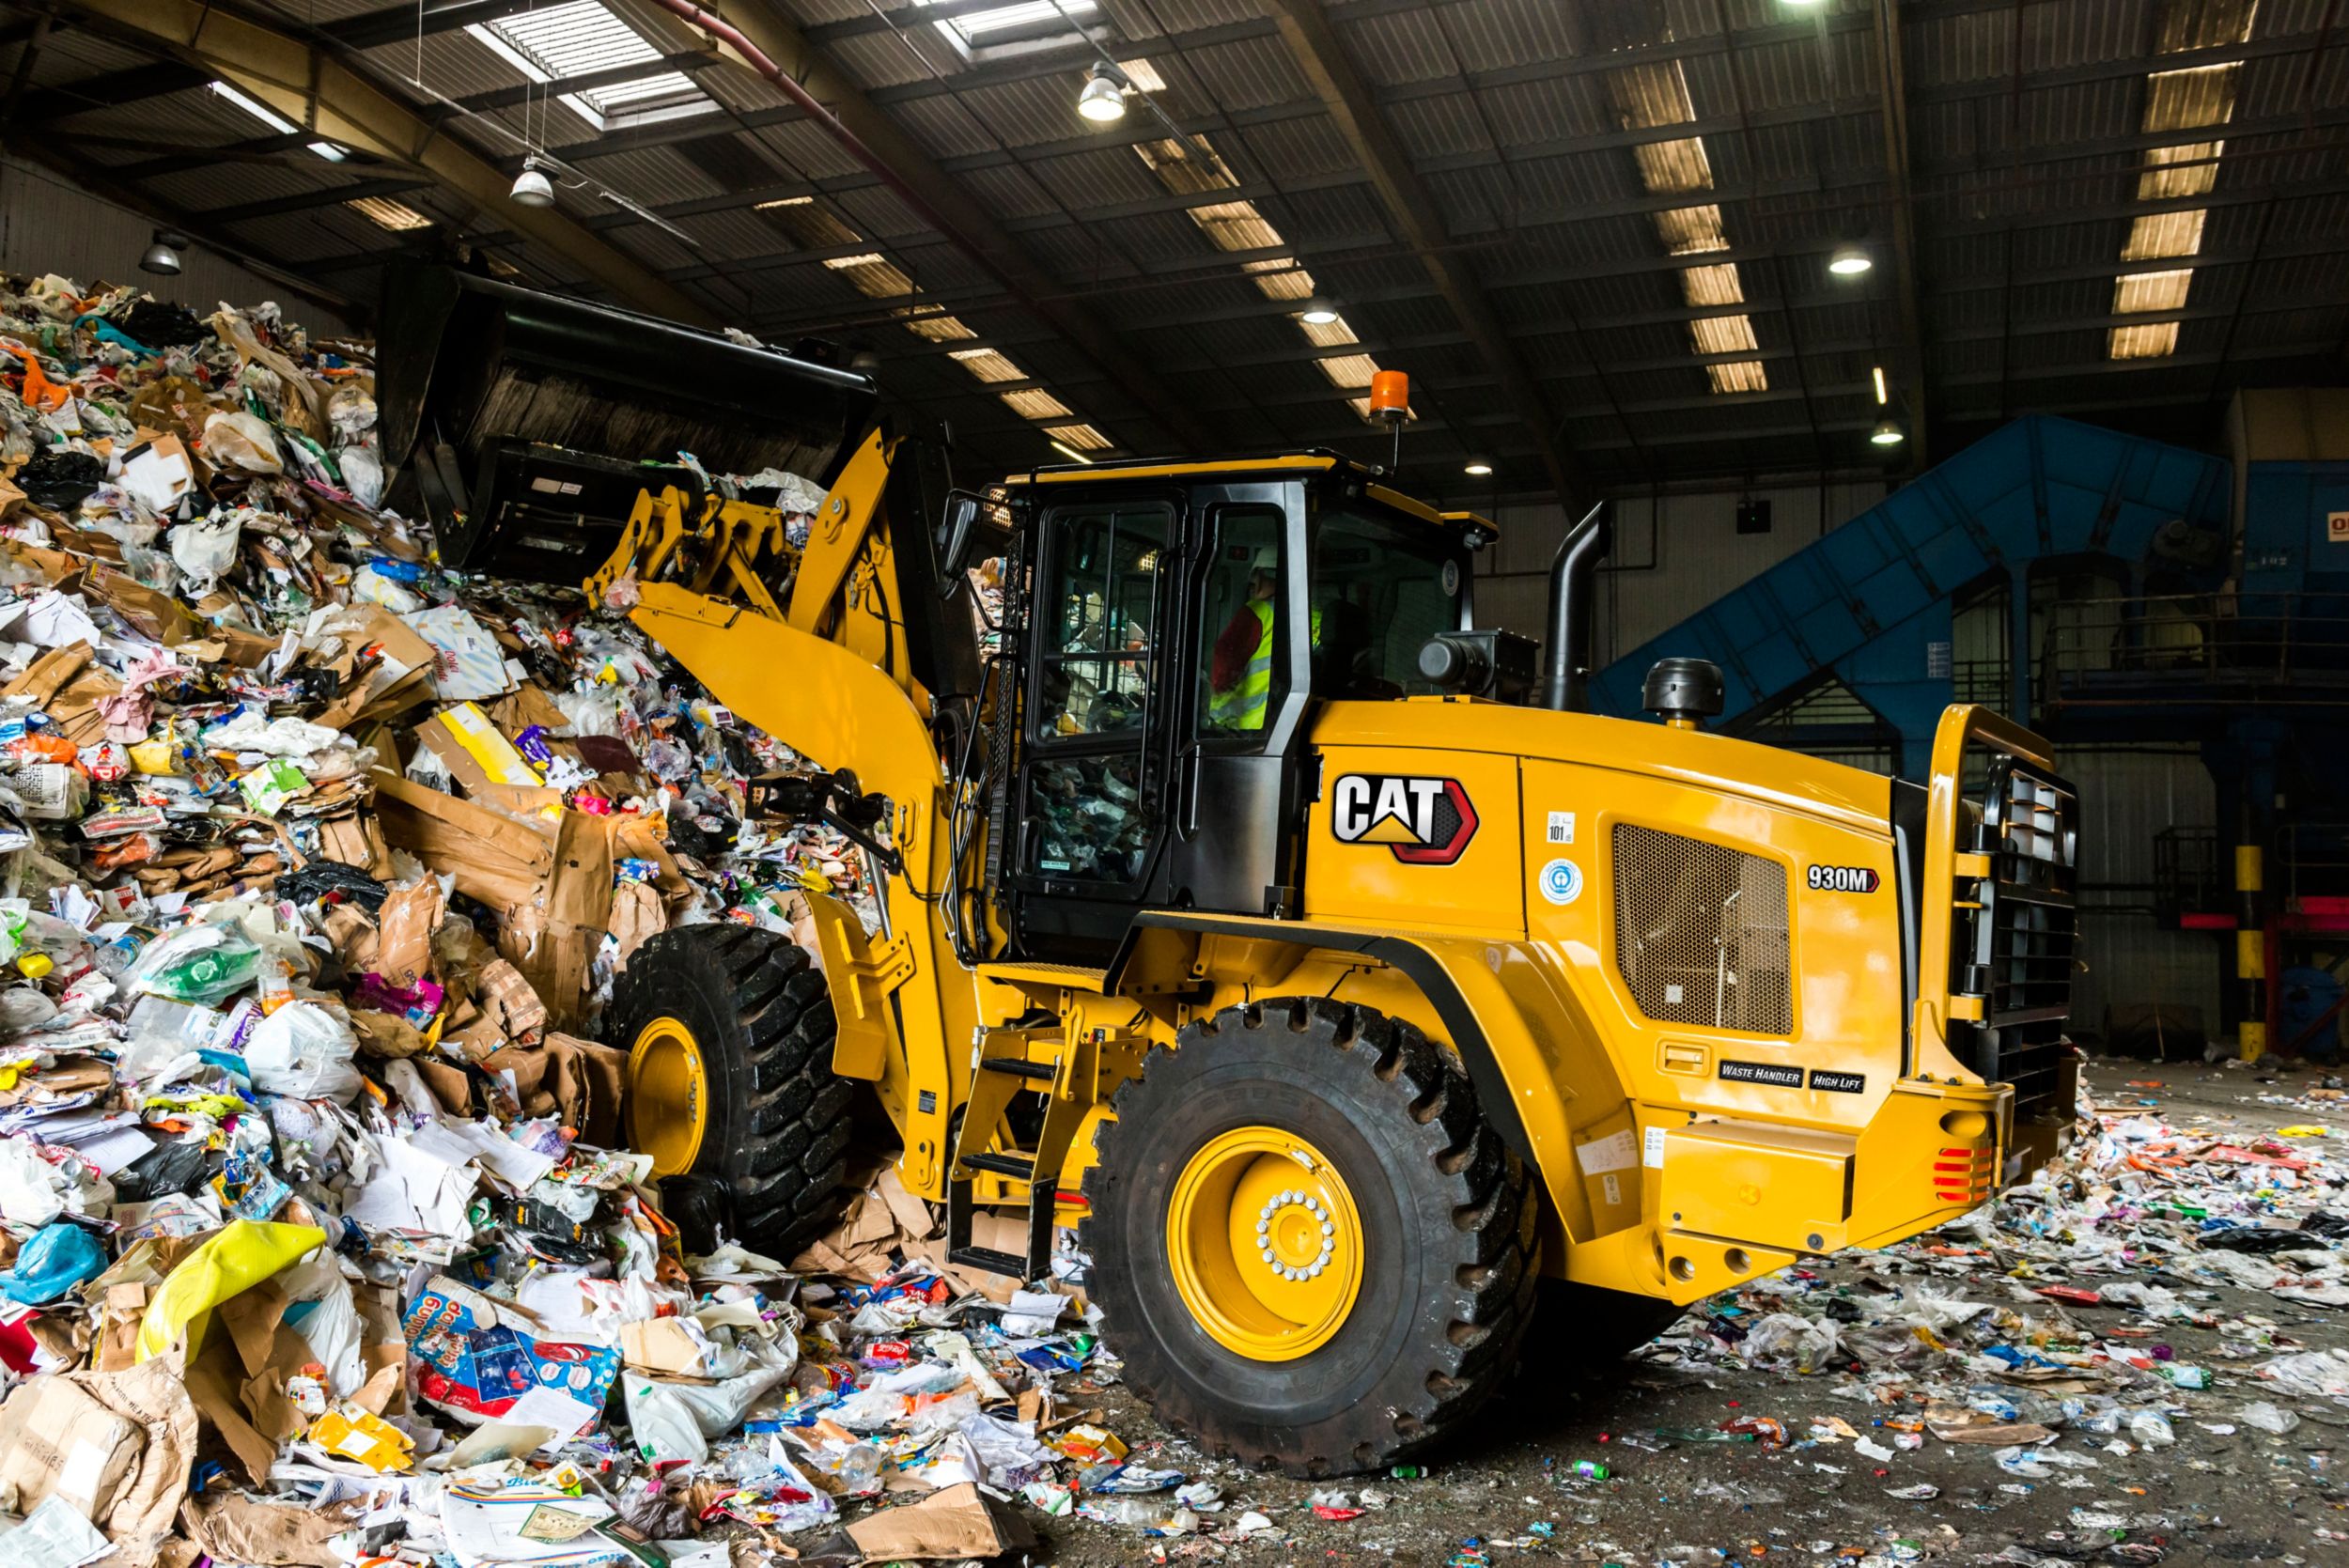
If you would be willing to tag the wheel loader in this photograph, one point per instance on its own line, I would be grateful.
(1244, 905)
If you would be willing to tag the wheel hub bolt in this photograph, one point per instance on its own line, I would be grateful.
(1315, 1216)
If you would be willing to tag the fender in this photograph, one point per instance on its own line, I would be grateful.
(1504, 1003)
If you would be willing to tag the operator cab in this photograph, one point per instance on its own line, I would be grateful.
(1182, 619)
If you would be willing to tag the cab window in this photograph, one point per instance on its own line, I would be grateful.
(1381, 587)
(1243, 663)
(1099, 660)
(1099, 653)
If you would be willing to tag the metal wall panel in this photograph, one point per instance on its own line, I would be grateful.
(46, 225)
(2126, 797)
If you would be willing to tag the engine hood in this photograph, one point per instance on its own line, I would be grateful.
(1847, 797)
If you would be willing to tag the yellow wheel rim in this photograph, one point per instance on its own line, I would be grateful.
(668, 1095)
(1265, 1243)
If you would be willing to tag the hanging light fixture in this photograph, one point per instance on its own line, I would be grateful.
(1849, 261)
(162, 254)
(1887, 433)
(1477, 468)
(1318, 312)
(531, 187)
(1103, 97)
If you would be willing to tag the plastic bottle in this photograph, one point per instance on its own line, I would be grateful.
(1591, 1470)
(1155, 1513)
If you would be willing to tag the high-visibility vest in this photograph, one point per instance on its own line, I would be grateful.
(1242, 708)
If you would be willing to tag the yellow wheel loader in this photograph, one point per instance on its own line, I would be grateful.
(1246, 906)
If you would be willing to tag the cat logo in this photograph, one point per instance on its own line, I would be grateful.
(1425, 821)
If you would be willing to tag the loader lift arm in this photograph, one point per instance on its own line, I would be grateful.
(518, 421)
(830, 670)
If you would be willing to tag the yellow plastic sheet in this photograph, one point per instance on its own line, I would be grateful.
(244, 1254)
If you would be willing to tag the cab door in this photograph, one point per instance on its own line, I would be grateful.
(1090, 791)
(1240, 720)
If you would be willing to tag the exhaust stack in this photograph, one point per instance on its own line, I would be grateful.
(1566, 651)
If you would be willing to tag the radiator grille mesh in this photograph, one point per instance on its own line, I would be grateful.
(1701, 932)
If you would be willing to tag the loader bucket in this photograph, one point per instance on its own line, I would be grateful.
(522, 423)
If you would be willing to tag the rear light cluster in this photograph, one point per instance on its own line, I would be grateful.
(1963, 1177)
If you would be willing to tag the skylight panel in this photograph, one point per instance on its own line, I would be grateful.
(989, 365)
(1035, 403)
(975, 29)
(582, 39)
(2177, 100)
(1190, 168)
(384, 212)
(1650, 97)
(1082, 437)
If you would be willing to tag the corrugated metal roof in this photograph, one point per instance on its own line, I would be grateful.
(2025, 124)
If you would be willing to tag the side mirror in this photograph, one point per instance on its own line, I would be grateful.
(961, 530)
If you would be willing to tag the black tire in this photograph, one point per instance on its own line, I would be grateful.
(774, 1154)
(1447, 1215)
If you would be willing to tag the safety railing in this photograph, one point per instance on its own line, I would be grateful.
(2256, 647)
(2313, 861)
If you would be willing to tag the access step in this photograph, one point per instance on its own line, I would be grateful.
(1009, 1264)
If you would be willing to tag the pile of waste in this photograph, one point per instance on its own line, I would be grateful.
(321, 1241)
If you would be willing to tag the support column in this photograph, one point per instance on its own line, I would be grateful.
(2250, 950)
(2254, 745)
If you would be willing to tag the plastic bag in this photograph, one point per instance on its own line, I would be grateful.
(305, 1051)
(206, 964)
(350, 411)
(59, 1257)
(2311, 1373)
(715, 1408)
(205, 548)
(363, 474)
(1809, 1344)
(324, 1312)
(2268, 1417)
(243, 441)
(241, 1255)
(662, 1424)
(373, 586)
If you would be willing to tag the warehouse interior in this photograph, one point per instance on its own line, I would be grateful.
(1607, 241)
(1922, 351)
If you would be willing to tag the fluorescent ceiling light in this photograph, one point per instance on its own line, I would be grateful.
(258, 109)
(1883, 396)
(1071, 453)
(275, 120)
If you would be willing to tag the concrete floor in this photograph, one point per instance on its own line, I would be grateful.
(1509, 1494)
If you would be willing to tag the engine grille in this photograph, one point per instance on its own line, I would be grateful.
(1701, 932)
(2015, 951)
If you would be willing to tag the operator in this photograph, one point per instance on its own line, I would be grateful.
(1239, 672)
